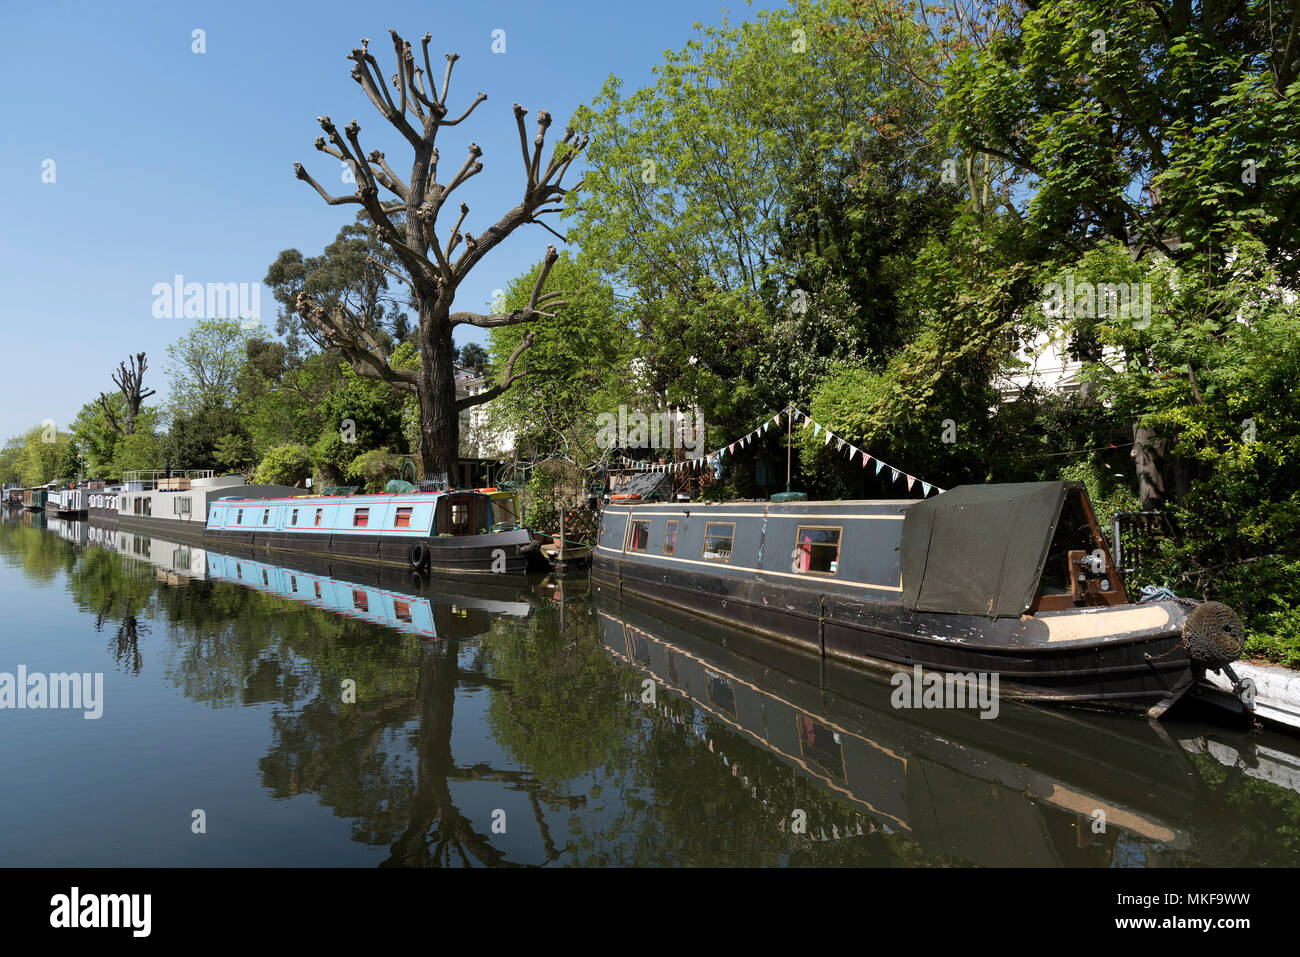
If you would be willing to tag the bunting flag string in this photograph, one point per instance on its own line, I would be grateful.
(807, 421)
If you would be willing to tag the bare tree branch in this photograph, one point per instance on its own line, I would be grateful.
(508, 378)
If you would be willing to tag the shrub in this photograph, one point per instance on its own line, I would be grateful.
(284, 465)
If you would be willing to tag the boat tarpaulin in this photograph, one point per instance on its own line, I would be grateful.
(979, 549)
(645, 484)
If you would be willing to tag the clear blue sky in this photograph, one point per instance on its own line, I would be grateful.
(168, 161)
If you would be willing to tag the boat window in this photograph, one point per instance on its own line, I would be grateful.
(403, 518)
(317, 584)
(670, 538)
(1064, 583)
(359, 600)
(293, 582)
(181, 505)
(360, 517)
(460, 518)
(817, 549)
(503, 513)
(402, 609)
(717, 541)
(318, 512)
(239, 519)
(294, 520)
(638, 537)
(266, 516)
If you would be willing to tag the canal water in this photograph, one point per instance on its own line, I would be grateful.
(303, 713)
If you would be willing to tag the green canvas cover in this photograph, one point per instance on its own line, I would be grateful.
(979, 549)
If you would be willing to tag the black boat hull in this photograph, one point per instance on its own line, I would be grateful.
(1139, 670)
(511, 552)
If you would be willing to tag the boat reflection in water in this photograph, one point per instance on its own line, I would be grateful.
(394, 598)
(75, 530)
(433, 614)
(176, 563)
(1035, 787)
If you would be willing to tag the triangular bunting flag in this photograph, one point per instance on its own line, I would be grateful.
(879, 465)
(895, 473)
(865, 459)
(732, 448)
(911, 480)
(817, 429)
(807, 421)
(925, 489)
(839, 445)
(828, 438)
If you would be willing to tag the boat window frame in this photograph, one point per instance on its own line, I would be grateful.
(631, 527)
(403, 512)
(239, 516)
(361, 511)
(705, 545)
(667, 550)
(266, 516)
(319, 512)
(839, 545)
(293, 519)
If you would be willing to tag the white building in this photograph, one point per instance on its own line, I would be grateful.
(479, 438)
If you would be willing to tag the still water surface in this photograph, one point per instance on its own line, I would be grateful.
(544, 723)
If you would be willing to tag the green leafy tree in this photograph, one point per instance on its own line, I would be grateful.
(762, 201)
(206, 367)
(145, 448)
(354, 270)
(285, 465)
(578, 365)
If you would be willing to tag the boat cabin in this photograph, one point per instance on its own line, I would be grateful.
(994, 551)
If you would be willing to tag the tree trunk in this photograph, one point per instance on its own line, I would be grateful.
(439, 423)
(1149, 461)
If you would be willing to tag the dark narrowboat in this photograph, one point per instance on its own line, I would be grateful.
(455, 530)
(1008, 580)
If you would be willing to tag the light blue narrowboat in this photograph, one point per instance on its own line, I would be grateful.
(455, 530)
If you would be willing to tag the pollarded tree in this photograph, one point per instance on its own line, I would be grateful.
(129, 382)
(407, 223)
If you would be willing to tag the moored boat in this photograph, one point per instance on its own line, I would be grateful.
(101, 504)
(177, 503)
(451, 530)
(1013, 580)
(68, 502)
